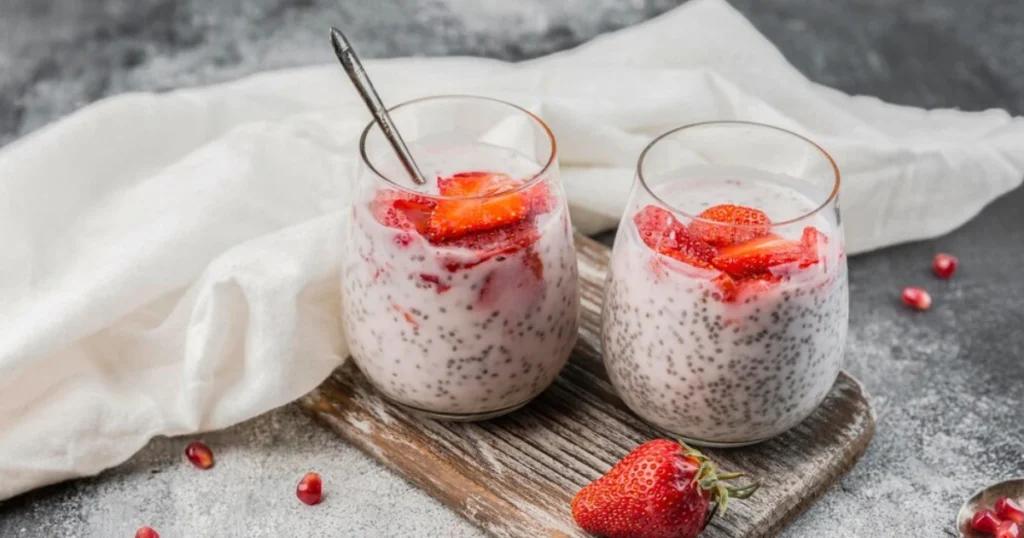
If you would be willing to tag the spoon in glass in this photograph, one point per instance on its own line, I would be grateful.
(354, 69)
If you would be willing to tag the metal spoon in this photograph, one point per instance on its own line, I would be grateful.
(349, 60)
(986, 498)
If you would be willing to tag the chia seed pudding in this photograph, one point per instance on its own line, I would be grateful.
(729, 335)
(462, 324)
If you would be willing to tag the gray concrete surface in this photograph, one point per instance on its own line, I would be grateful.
(947, 384)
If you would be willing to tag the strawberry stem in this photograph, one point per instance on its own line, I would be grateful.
(710, 480)
(743, 492)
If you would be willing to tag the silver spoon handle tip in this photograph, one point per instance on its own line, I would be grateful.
(354, 68)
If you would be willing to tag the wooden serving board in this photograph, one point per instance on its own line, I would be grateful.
(515, 476)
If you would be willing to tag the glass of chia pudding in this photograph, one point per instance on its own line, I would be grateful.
(725, 314)
(460, 296)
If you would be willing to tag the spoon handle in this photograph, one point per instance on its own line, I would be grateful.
(349, 60)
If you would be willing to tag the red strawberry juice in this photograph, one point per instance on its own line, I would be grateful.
(725, 335)
(463, 308)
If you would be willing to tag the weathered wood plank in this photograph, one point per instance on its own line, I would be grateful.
(514, 476)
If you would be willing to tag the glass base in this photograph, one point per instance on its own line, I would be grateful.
(697, 442)
(719, 444)
(459, 417)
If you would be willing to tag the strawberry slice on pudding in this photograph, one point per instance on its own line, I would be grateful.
(770, 251)
(729, 224)
(663, 233)
(489, 243)
(402, 210)
(475, 184)
(758, 255)
(481, 206)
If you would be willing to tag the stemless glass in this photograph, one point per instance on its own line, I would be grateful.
(460, 297)
(726, 308)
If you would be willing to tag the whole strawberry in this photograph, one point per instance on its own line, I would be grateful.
(662, 489)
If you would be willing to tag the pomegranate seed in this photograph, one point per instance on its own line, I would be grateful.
(917, 298)
(310, 489)
(199, 455)
(985, 521)
(944, 265)
(146, 532)
(1008, 529)
(1007, 509)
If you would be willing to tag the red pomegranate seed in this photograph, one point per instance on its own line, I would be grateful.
(199, 455)
(1007, 509)
(1008, 529)
(985, 521)
(310, 489)
(917, 298)
(146, 532)
(944, 265)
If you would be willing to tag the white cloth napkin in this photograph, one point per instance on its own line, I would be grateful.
(169, 262)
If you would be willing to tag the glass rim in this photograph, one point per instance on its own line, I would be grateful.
(833, 195)
(535, 178)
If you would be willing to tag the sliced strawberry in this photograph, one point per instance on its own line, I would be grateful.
(475, 184)
(417, 212)
(456, 218)
(660, 231)
(388, 215)
(737, 225)
(652, 222)
(489, 243)
(504, 239)
(479, 183)
(758, 255)
(813, 243)
(402, 210)
(687, 249)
